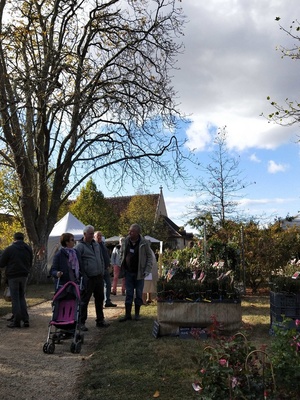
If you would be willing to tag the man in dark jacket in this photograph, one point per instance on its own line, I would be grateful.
(17, 261)
(92, 264)
(137, 261)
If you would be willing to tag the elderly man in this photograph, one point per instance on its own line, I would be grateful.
(136, 261)
(92, 270)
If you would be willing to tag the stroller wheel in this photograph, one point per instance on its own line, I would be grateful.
(49, 348)
(45, 348)
(75, 347)
(78, 347)
(79, 338)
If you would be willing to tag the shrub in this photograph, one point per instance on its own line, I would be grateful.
(232, 368)
(285, 357)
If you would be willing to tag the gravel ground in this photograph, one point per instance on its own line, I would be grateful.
(27, 373)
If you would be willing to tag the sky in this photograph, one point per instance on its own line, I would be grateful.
(229, 67)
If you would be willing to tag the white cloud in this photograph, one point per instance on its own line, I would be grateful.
(242, 132)
(229, 67)
(273, 167)
(254, 158)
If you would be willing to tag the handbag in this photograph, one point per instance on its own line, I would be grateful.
(6, 294)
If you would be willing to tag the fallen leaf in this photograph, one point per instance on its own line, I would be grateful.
(156, 394)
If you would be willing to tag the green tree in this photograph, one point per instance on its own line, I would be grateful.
(267, 251)
(140, 210)
(85, 88)
(91, 208)
(221, 185)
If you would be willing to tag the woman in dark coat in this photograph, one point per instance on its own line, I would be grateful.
(66, 265)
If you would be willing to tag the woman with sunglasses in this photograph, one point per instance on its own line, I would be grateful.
(66, 262)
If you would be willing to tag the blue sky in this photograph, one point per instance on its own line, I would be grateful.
(229, 66)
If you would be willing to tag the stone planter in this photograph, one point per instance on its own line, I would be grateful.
(171, 316)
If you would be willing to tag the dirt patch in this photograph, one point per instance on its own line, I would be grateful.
(27, 373)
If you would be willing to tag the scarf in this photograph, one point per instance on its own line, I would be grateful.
(73, 262)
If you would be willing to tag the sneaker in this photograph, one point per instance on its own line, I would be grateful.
(26, 324)
(83, 328)
(102, 324)
(110, 304)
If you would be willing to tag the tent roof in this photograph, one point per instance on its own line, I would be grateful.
(70, 224)
(117, 238)
(112, 239)
(152, 239)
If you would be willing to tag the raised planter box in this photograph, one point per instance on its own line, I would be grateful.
(171, 316)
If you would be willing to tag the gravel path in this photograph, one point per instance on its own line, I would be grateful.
(27, 373)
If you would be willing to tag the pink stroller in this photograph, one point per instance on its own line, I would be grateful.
(65, 322)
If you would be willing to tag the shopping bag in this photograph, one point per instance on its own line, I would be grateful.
(6, 294)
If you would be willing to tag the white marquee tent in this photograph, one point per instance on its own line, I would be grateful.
(69, 224)
(115, 239)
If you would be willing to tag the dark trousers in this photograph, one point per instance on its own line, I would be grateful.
(93, 286)
(107, 284)
(17, 288)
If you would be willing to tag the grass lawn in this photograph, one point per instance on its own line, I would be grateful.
(131, 363)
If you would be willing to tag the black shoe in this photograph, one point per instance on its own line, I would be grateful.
(102, 324)
(125, 318)
(26, 324)
(110, 304)
(83, 328)
(137, 317)
(13, 325)
(10, 319)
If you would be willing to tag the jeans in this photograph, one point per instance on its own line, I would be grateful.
(17, 288)
(94, 285)
(107, 285)
(131, 284)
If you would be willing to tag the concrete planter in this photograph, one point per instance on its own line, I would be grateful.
(172, 316)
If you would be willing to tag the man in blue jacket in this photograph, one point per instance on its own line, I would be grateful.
(17, 261)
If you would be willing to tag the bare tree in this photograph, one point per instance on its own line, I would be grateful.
(85, 87)
(289, 113)
(220, 186)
